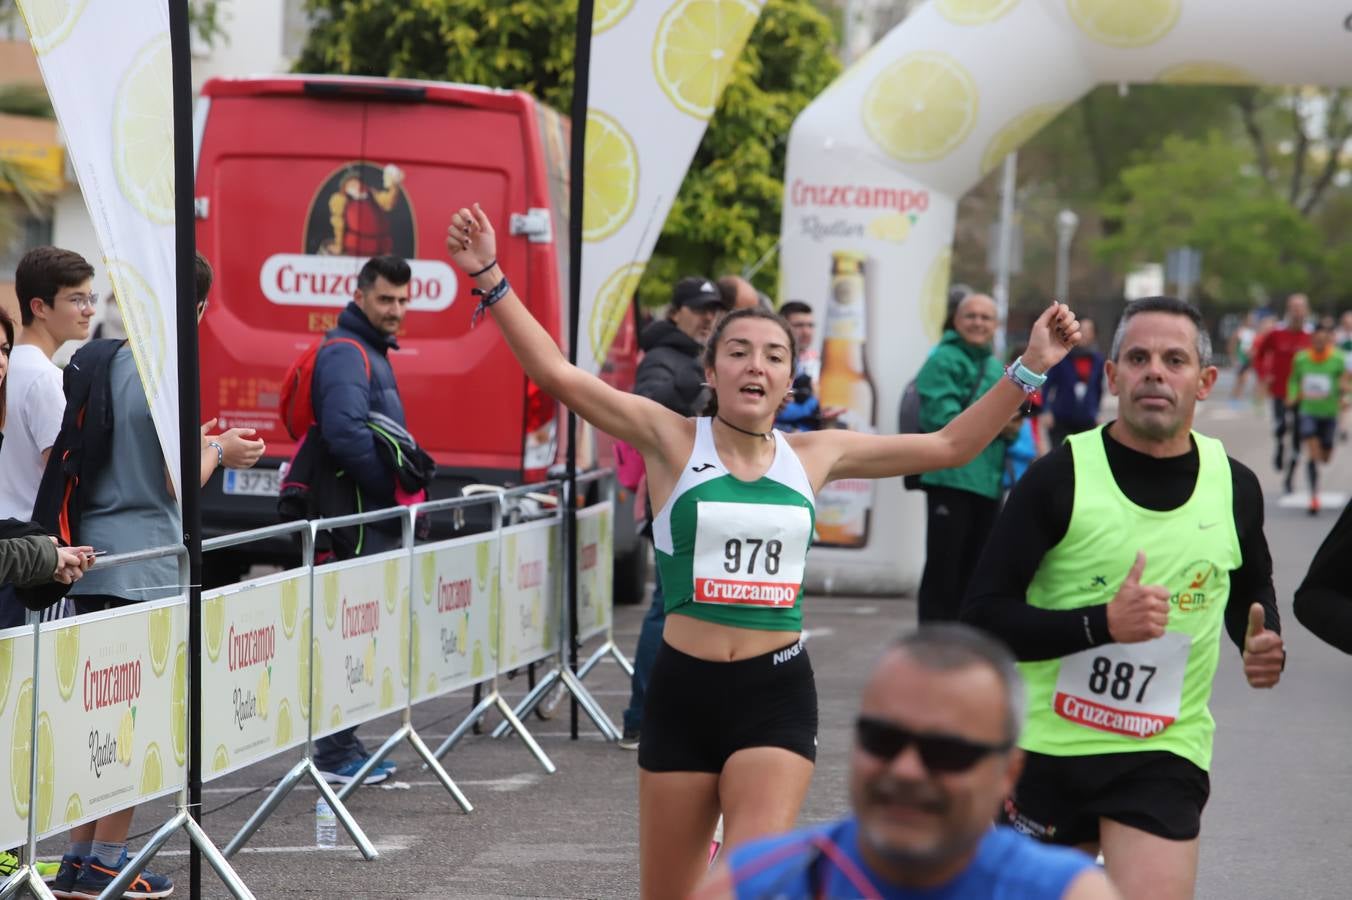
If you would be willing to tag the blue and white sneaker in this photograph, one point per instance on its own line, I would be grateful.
(95, 877)
(348, 773)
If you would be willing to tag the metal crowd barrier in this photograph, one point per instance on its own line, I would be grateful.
(161, 648)
(488, 603)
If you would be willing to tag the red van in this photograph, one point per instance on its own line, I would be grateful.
(299, 180)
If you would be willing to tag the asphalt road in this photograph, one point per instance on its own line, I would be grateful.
(1276, 826)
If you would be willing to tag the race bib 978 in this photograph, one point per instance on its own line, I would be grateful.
(1130, 689)
(750, 553)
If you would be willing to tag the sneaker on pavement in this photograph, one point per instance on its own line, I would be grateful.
(387, 766)
(1314, 505)
(348, 773)
(63, 884)
(629, 741)
(95, 877)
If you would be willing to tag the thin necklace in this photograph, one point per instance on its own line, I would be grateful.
(760, 434)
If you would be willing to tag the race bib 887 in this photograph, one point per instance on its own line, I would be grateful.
(1130, 689)
(750, 554)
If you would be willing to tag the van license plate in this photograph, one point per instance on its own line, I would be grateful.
(252, 482)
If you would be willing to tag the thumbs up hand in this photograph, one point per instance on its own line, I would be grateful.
(1138, 612)
(1264, 655)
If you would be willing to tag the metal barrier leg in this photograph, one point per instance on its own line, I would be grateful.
(595, 658)
(475, 715)
(373, 760)
(620, 659)
(590, 706)
(138, 862)
(289, 781)
(223, 870)
(528, 702)
(27, 877)
(350, 825)
(437, 770)
(505, 708)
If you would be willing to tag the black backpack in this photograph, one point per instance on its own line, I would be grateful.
(84, 445)
(83, 448)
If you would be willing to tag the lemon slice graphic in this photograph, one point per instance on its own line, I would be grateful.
(67, 661)
(46, 773)
(220, 760)
(290, 606)
(145, 324)
(612, 305)
(213, 626)
(973, 12)
(178, 705)
(7, 669)
(607, 13)
(152, 770)
(1125, 23)
(1017, 132)
(143, 134)
(934, 296)
(697, 45)
(74, 809)
(283, 723)
(51, 22)
(921, 107)
(611, 177)
(161, 623)
(20, 744)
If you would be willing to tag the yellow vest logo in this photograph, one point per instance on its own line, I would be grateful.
(1199, 591)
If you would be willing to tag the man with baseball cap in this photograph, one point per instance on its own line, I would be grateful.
(672, 373)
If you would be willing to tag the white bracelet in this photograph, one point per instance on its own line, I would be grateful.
(220, 452)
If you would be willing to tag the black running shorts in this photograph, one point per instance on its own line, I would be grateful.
(1060, 799)
(697, 712)
(1323, 430)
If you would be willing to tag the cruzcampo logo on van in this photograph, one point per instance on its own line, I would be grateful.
(360, 210)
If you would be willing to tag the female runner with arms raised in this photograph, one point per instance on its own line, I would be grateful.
(730, 720)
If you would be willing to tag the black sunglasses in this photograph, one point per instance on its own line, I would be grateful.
(939, 752)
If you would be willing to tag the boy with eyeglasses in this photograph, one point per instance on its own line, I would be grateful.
(56, 304)
(934, 755)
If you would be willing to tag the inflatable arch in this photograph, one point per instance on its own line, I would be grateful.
(878, 162)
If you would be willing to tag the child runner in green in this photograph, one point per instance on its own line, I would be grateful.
(1318, 389)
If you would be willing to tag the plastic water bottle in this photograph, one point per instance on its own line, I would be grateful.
(326, 824)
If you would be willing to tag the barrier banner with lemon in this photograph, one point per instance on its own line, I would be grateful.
(116, 118)
(255, 670)
(594, 569)
(113, 686)
(360, 631)
(455, 615)
(531, 595)
(658, 69)
(16, 730)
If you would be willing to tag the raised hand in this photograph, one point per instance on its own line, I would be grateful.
(1052, 336)
(238, 448)
(470, 239)
(1264, 655)
(1138, 612)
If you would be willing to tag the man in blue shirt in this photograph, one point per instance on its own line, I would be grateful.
(934, 757)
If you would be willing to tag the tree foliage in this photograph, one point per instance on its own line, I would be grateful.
(726, 215)
(1208, 194)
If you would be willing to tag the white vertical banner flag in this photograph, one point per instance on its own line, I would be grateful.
(106, 69)
(658, 68)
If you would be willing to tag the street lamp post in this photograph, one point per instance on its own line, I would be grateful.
(1066, 223)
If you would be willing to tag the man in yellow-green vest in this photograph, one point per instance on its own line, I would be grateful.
(1110, 573)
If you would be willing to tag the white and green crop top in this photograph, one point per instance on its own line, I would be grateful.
(732, 551)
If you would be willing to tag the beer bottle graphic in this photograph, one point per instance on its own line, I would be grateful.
(843, 507)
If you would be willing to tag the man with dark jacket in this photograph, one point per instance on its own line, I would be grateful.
(345, 397)
(1074, 388)
(672, 373)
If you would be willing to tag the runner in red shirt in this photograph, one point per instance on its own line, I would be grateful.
(1272, 355)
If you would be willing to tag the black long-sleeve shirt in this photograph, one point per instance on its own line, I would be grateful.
(1036, 518)
(1324, 599)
